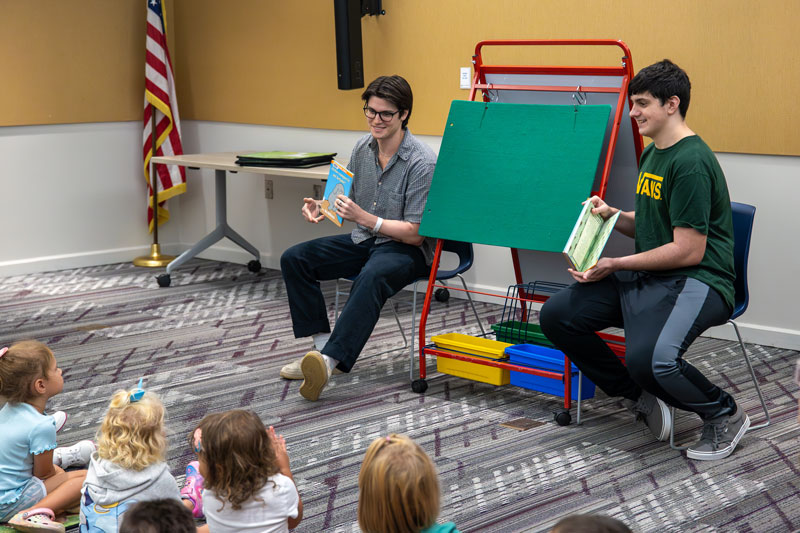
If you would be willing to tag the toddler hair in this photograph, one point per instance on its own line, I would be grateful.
(590, 523)
(132, 433)
(158, 516)
(238, 455)
(20, 366)
(398, 487)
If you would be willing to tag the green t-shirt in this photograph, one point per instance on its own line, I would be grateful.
(683, 186)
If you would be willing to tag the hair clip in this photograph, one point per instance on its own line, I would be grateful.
(388, 438)
(138, 393)
(3, 350)
(197, 443)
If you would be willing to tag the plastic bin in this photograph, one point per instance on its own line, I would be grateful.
(520, 332)
(477, 348)
(544, 358)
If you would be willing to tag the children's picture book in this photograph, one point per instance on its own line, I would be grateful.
(588, 238)
(340, 180)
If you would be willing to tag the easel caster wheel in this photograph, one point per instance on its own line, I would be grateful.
(419, 386)
(441, 295)
(254, 266)
(562, 418)
(163, 280)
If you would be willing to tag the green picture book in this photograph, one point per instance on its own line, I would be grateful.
(588, 238)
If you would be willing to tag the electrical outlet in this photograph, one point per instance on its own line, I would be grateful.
(267, 189)
(464, 80)
(317, 194)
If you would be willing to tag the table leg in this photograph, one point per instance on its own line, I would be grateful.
(221, 231)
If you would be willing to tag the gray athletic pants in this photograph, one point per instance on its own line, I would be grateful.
(661, 315)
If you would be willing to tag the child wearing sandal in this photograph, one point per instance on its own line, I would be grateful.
(399, 489)
(248, 485)
(32, 489)
(129, 465)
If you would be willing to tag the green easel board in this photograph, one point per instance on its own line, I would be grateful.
(514, 175)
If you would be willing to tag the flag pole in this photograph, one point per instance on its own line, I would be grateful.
(155, 259)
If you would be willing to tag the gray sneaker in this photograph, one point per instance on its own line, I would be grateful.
(720, 437)
(653, 412)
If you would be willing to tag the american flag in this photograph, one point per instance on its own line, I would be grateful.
(159, 92)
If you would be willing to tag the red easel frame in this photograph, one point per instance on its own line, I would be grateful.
(479, 83)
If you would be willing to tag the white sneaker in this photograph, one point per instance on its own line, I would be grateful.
(76, 455)
(293, 370)
(60, 418)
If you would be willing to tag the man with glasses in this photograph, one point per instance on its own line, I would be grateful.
(392, 174)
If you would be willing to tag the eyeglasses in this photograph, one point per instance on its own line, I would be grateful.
(386, 116)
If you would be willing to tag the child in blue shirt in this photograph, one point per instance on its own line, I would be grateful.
(32, 489)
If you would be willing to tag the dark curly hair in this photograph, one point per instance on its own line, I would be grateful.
(663, 80)
(238, 455)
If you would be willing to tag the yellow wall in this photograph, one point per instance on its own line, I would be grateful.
(273, 61)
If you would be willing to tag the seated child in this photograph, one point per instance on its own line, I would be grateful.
(399, 489)
(129, 465)
(248, 485)
(158, 516)
(33, 491)
(590, 523)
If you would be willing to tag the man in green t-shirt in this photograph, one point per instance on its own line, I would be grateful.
(677, 284)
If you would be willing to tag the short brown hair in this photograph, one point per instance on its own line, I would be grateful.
(394, 89)
(238, 455)
(22, 364)
(398, 487)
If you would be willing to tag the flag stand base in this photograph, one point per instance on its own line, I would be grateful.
(155, 259)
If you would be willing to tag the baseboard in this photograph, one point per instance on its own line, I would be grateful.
(51, 263)
(758, 334)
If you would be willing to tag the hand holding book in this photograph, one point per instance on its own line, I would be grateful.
(590, 234)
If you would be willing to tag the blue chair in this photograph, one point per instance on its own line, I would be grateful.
(743, 216)
(465, 257)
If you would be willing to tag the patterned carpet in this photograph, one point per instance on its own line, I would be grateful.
(217, 338)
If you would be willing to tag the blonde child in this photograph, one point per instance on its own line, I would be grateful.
(129, 465)
(399, 489)
(32, 489)
(248, 485)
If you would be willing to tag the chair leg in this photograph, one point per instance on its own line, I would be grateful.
(755, 382)
(753, 376)
(672, 432)
(336, 302)
(413, 331)
(472, 304)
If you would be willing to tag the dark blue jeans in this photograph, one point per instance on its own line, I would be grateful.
(381, 271)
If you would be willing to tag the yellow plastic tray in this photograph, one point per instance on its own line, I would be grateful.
(471, 345)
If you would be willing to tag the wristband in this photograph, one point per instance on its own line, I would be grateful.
(378, 225)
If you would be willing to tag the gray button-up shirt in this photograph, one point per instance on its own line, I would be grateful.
(397, 192)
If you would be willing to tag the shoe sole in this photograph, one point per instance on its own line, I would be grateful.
(299, 374)
(724, 452)
(666, 418)
(315, 376)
